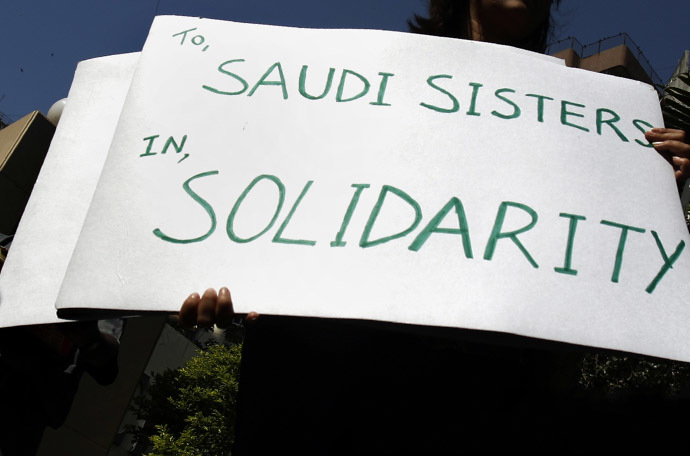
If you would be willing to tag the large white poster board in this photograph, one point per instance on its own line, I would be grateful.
(387, 176)
(53, 217)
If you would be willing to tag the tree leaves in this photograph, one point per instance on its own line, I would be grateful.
(190, 411)
(675, 103)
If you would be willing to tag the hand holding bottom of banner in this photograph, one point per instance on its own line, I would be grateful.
(209, 309)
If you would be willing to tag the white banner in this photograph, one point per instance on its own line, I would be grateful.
(387, 176)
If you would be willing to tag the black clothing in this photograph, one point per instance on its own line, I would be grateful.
(320, 386)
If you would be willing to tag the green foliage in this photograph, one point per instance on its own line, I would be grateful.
(675, 103)
(634, 374)
(191, 411)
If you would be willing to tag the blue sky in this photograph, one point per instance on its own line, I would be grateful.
(42, 40)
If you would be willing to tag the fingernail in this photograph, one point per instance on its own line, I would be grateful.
(656, 143)
(193, 296)
(224, 291)
(657, 130)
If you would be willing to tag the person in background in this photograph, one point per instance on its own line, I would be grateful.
(320, 386)
(41, 367)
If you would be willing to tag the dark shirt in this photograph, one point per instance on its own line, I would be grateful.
(321, 386)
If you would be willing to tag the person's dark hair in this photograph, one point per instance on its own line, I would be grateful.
(451, 18)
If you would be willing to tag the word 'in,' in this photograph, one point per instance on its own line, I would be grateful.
(169, 142)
